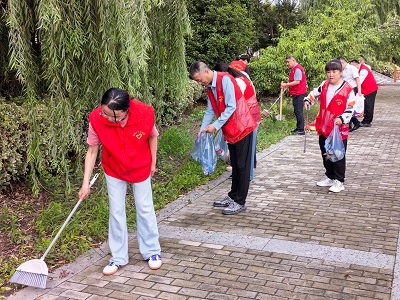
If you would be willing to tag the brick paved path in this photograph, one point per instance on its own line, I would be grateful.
(295, 241)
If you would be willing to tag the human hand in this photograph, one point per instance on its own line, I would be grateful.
(153, 169)
(209, 128)
(338, 121)
(84, 191)
(306, 104)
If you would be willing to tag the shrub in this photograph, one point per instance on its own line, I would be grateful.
(14, 134)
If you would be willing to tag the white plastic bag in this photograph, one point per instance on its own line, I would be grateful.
(334, 146)
(359, 106)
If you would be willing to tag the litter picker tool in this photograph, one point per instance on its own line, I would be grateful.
(305, 129)
(34, 272)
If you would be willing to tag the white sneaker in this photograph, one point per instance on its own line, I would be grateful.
(326, 182)
(154, 262)
(337, 186)
(111, 268)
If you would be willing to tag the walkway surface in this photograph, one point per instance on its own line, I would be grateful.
(295, 241)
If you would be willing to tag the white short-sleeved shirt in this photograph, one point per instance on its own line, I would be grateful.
(350, 73)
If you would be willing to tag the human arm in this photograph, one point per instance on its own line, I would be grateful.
(310, 99)
(287, 84)
(358, 82)
(230, 107)
(90, 160)
(153, 143)
(296, 80)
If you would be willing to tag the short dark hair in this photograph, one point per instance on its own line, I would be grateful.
(244, 57)
(355, 61)
(334, 64)
(116, 99)
(197, 67)
(223, 67)
(342, 58)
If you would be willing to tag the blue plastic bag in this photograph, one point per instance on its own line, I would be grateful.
(221, 146)
(334, 146)
(203, 151)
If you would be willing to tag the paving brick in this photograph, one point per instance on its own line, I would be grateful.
(201, 256)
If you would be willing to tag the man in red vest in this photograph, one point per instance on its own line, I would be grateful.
(297, 86)
(227, 103)
(125, 129)
(369, 88)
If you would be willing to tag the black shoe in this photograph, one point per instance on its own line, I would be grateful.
(294, 131)
(355, 127)
(298, 132)
(365, 124)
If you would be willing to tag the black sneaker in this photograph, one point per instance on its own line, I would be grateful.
(300, 132)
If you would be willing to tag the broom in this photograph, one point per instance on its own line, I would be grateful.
(34, 272)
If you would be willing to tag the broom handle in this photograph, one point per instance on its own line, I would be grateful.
(67, 220)
(280, 105)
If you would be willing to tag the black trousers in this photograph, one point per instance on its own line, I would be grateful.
(333, 170)
(369, 105)
(240, 155)
(298, 105)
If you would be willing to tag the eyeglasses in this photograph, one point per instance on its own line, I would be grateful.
(115, 118)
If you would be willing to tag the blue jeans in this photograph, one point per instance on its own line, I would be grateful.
(147, 230)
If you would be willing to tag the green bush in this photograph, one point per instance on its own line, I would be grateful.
(14, 134)
(385, 68)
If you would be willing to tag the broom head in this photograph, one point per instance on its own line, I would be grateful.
(32, 273)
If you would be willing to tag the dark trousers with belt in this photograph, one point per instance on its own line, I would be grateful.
(369, 105)
(333, 170)
(240, 155)
(298, 105)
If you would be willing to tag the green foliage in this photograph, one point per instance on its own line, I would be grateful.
(14, 136)
(169, 25)
(221, 30)
(68, 54)
(389, 42)
(325, 36)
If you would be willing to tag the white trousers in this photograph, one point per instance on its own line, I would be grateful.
(146, 221)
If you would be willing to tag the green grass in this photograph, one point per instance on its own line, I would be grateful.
(177, 174)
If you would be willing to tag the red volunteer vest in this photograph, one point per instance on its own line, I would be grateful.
(369, 84)
(251, 99)
(324, 122)
(301, 88)
(241, 122)
(125, 151)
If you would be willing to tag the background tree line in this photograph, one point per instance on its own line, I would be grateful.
(58, 57)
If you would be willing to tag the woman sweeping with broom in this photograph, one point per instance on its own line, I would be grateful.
(125, 129)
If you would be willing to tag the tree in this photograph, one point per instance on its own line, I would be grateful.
(222, 29)
(325, 36)
(66, 54)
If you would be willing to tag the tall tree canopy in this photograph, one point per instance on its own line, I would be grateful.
(222, 29)
(66, 54)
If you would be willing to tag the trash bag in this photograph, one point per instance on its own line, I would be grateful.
(334, 146)
(203, 152)
(221, 146)
(359, 106)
